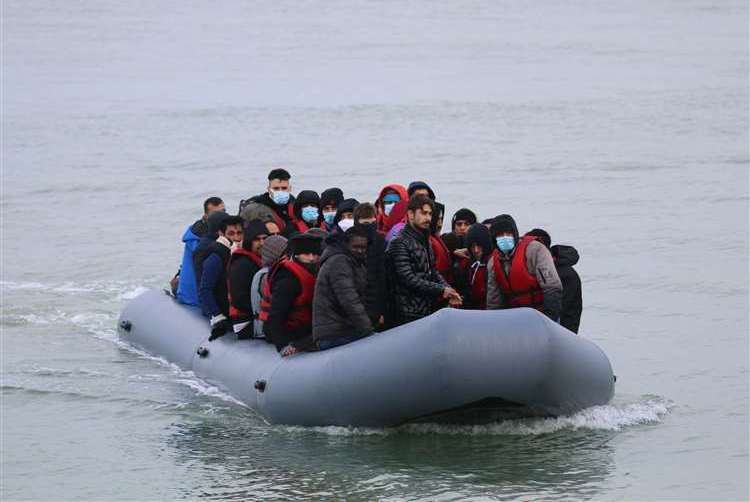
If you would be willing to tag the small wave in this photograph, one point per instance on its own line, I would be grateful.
(129, 295)
(612, 417)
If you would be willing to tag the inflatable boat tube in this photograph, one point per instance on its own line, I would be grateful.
(457, 366)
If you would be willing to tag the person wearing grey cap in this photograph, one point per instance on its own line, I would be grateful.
(287, 314)
(273, 250)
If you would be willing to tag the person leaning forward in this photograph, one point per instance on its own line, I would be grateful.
(415, 284)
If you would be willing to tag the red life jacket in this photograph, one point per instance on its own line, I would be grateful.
(476, 278)
(443, 262)
(301, 313)
(519, 288)
(235, 313)
(279, 220)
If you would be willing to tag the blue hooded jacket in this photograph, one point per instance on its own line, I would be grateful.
(187, 291)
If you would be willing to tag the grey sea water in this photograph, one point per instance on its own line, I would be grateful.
(620, 127)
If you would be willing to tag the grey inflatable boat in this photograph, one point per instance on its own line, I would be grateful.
(455, 366)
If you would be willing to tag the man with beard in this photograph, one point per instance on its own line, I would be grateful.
(416, 285)
(339, 314)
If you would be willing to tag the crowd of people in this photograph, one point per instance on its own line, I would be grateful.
(312, 272)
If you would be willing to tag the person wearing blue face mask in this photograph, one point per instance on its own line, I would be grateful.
(389, 196)
(276, 204)
(521, 272)
(307, 211)
(329, 205)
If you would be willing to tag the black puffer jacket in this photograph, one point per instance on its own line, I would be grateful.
(377, 286)
(572, 299)
(338, 304)
(414, 283)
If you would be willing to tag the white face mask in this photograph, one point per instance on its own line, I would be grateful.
(346, 224)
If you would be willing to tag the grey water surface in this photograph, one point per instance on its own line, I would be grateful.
(620, 127)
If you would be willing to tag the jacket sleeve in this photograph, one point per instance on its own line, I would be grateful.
(240, 277)
(211, 273)
(284, 290)
(343, 288)
(539, 262)
(403, 273)
(494, 294)
(572, 303)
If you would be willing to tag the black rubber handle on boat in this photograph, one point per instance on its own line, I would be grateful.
(260, 385)
(126, 325)
(202, 352)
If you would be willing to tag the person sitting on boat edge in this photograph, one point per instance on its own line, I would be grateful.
(211, 263)
(272, 251)
(244, 263)
(184, 285)
(339, 313)
(288, 318)
(521, 272)
(565, 257)
(329, 205)
(377, 286)
(414, 282)
(307, 211)
(276, 204)
(471, 273)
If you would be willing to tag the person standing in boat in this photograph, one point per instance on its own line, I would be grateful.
(211, 259)
(521, 272)
(184, 284)
(339, 313)
(307, 211)
(377, 287)
(572, 300)
(276, 204)
(287, 315)
(244, 263)
(471, 273)
(415, 283)
(272, 251)
(329, 205)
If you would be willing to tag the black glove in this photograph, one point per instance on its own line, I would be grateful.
(219, 326)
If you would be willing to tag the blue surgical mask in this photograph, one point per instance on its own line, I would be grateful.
(280, 197)
(505, 243)
(310, 214)
(388, 207)
(329, 216)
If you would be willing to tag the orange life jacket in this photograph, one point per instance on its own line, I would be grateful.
(519, 287)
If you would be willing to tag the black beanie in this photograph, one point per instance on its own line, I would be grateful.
(346, 206)
(504, 223)
(416, 185)
(478, 234)
(331, 196)
(305, 198)
(304, 243)
(464, 214)
(252, 230)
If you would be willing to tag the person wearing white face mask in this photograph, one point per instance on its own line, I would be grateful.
(344, 219)
(521, 272)
(276, 204)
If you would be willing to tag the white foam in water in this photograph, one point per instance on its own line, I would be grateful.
(612, 417)
(129, 295)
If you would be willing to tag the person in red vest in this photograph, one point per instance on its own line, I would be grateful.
(521, 272)
(443, 258)
(307, 211)
(470, 274)
(287, 308)
(244, 262)
(276, 204)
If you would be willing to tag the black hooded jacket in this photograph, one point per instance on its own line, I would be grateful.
(572, 299)
(413, 280)
(307, 198)
(242, 269)
(339, 301)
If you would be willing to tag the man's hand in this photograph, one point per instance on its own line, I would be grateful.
(452, 296)
(462, 253)
(219, 326)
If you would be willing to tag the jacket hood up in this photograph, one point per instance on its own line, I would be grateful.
(306, 198)
(565, 256)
